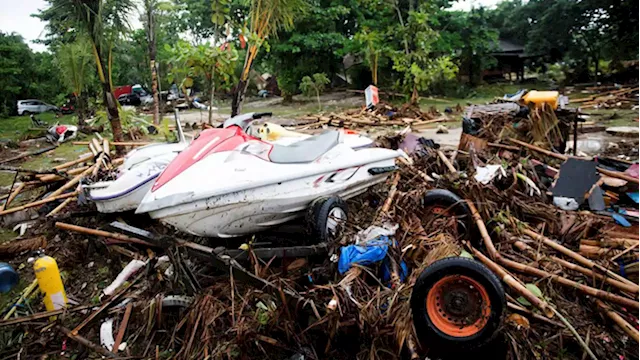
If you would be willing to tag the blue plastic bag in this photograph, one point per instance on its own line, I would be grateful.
(372, 252)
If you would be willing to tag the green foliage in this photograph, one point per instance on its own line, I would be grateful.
(74, 60)
(25, 75)
(129, 118)
(418, 65)
(314, 86)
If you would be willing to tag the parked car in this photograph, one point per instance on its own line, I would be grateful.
(32, 106)
(129, 99)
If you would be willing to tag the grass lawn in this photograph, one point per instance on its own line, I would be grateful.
(17, 128)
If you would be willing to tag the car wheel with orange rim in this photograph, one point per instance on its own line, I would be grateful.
(457, 305)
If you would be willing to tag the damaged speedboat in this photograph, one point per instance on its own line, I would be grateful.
(228, 183)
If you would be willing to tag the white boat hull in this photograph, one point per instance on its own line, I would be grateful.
(253, 210)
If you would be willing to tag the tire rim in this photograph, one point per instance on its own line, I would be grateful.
(458, 306)
(336, 217)
(446, 212)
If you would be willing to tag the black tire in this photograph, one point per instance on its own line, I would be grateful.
(456, 206)
(26, 113)
(318, 216)
(436, 341)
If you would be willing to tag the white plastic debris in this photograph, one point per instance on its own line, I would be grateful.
(374, 232)
(565, 203)
(484, 174)
(22, 228)
(132, 267)
(106, 334)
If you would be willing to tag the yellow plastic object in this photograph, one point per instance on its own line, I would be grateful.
(50, 283)
(272, 132)
(542, 97)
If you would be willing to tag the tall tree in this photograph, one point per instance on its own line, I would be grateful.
(73, 60)
(266, 17)
(101, 21)
(152, 8)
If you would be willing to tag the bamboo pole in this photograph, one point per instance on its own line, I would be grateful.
(530, 270)
(79, 160)
(622, 234)
(27, 291)
(612, 243)
(53, 177)
(624, 325)
(96, 144)
(93, 149)
(615, 174)
(488, 243)
(116, 143)
(446, 161)
(71, 183)
(577, 257)
(61, 206)
(13, 195)
(629, 249)
(513, 283)
(596, 252)
(577, 268)
(101, 233)
(420, 173)
(98, 164)
(392, 193)
(37, 203)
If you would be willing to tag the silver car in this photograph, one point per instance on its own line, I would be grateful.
(32, 106)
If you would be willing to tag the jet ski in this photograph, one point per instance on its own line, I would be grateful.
(143, 165)
(140, 168)
(228, 183)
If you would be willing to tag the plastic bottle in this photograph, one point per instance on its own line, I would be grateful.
(50, 282)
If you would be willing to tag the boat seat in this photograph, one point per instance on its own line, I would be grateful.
(304, 151)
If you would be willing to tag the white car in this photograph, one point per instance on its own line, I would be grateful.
(32, 106)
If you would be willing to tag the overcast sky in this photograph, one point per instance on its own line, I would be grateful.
(15, 16)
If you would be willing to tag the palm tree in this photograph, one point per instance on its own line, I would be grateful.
(101, 21)
(266, 18)
(73, 60)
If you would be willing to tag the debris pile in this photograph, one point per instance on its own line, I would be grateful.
(569, 273)
(623, 98)
(382, 114)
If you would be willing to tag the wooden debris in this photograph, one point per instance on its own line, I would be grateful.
(39, 202)
(100, 233)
